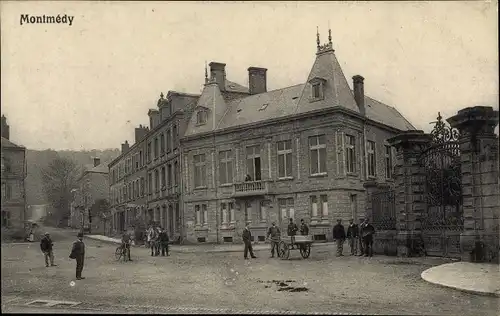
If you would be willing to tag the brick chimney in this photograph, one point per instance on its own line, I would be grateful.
(154, 118)
(5, 128)
(257, 80)
(125, 147)
(358, 88)
(218, 71)
(97, 161)
(140, 133)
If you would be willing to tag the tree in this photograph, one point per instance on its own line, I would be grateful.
(59, 178)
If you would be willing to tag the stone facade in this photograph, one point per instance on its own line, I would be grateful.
(480, 182)
(92, 189)
(13, 182)
(344, 191)
(251, 156)
(301, 152)
(146, 178)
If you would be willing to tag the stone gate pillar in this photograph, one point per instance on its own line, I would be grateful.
(370, 187)
(480, 188)
(409, 178)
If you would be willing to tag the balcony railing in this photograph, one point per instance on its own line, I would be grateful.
(250, 188)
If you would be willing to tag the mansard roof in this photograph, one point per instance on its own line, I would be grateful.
(246, 109)
(336, 90)
(211, 98)
(261, 107)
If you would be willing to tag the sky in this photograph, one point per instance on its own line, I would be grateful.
(86, 86)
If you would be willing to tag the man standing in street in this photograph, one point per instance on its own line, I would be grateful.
(78, 253)
(304, 229)
(126, 241)
(339, 237)
(353, 236)
(292, 231)
(274, 234)
(164, 242)
(247, 239)
(360, 238)
(46, 247)
(367, 232)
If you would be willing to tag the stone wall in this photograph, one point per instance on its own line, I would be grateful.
(345, 192)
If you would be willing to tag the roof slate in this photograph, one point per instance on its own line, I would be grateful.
(336, 91)
(290, 100)
(235, 87)
(5, 143)
(281, 102)
(211, 98)
(385, 114)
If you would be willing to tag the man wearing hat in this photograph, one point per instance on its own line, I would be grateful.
(339, 237)
(46, 247)
(78, 253)
(274, 234)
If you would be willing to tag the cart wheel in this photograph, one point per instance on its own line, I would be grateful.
(286, 251)
(305, 251)
(118, 253)
(281, 249)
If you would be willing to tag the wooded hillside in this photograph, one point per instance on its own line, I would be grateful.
(38, 160)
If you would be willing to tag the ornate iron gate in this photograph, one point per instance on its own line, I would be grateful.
(384, 210)
(442, 222)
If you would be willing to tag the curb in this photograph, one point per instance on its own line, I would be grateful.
(424, 277)
(173, 249)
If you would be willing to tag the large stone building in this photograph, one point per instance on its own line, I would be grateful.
(145, 179)
(302, 152)
(13, 181)
(90, 196)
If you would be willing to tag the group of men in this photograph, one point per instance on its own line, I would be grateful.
(157, 240)
(77, 253)
(361, 235)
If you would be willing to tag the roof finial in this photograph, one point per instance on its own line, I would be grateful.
(206, 72)
(317, 37)
(329, 33)
(161, 95)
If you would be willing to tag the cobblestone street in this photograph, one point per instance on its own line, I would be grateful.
(224, 282)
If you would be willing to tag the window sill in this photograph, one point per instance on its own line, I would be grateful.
(200, 124)
(352, 174)
(226, 185)
(201, 228)
(285, 178)
(389, 179)
(200, 188)
(318, 175)
(371, 178)
(316, 99)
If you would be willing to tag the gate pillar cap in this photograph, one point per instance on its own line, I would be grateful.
(407, 137)
(482, 115)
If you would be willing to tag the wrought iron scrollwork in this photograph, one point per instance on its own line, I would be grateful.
(443, 219)
(384, 210)
(441, 133)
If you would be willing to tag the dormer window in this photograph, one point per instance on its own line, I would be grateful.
(201, 117)
(317, 88)
(316, 91)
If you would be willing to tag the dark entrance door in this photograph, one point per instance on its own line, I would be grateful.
(442, 222)
(121, 221)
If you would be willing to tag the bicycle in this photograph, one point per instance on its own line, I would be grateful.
(120, 252)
